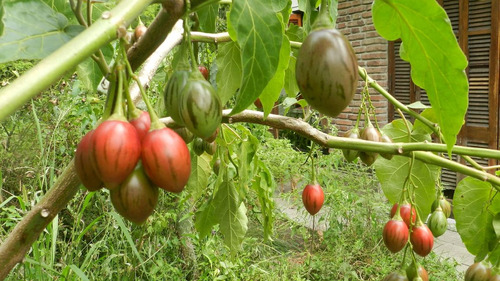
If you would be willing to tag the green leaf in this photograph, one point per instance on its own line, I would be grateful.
(205, 218)
(263, 185)
(399, 133)
(63, 7)
(310, 13)
(229, 70)
(198, 179)
(496, 225)
(246, 150)
(436, 59)
(430, 115)
(273, 89)
(418, 105)
(33, 35)
(392, 173)
(474, 207)
(259, 35)
(208, 16)
(291, 87)
(231, 214)
(392, 176)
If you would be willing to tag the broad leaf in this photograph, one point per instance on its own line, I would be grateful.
(33, 35)
(393, 173)
(273, 89)
(399, 133)
(264, 186)
(310, 12)
(474, 207)
(259, 35)
(436, 59)
(205, 218)
(198, 179)
(430, 115)
(229, 70)
(231, 214)
(208, 16)
(291, 87)
(496, 220)
(246, 149)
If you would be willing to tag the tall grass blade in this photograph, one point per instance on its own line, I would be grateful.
(126, 232)
(79, 272)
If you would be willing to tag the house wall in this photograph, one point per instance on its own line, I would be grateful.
(355, 22)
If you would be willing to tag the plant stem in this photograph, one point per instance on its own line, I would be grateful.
(421, 151)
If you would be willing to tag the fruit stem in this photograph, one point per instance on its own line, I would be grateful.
(324, 20)
(187, 36)
(155, 121)
(313, 170)
(110, 98)
(118, 110)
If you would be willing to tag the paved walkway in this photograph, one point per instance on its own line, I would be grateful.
(449, 245)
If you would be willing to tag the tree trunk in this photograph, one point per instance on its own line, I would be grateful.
(184, 227)
(19, 241)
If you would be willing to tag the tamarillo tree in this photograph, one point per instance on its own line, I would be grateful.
(255, 59)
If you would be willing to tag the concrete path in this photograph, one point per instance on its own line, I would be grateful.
(449, 245)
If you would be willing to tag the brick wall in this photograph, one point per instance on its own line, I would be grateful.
(355, 22)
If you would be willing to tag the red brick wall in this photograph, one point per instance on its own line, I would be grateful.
(355, 22)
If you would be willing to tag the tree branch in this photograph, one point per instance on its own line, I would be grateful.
(422, 151)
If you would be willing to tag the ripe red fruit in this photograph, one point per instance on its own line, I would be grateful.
(166, 160)
(136, 198)
(204, 71)
(478, 272)
(404, 211)
(422, 239)
(116, 149)
(313, 198)
(142, 124)
(395, 234)
(84, 166)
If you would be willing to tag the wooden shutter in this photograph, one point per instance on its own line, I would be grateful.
(476, 25)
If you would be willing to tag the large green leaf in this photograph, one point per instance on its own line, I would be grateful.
(229, 70)
(32, 30)
(399, 133)
(393, 173)
(198, 179)
(310, 12)
(205, 218)
(474, 206)
(290, 85)
(231, 214)
(436, 59)
(273, 89)
(259, 35)
(264, 186)
(208, 16)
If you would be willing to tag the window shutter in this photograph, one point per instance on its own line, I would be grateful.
(476, 25)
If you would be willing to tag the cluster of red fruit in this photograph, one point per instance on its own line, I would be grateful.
(132, 161)
(404, 225)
